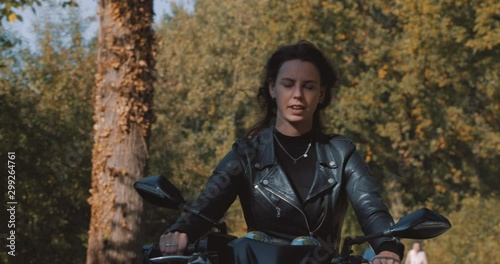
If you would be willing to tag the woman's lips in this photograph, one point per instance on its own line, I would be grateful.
(297, 109)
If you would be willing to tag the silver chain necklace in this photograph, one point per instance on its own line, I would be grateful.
(294, 159)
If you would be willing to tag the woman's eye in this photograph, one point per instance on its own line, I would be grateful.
(309, 86)
(287, 84)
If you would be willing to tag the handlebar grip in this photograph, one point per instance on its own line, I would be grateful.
(153, 253)
(191, 248)
(199, 246)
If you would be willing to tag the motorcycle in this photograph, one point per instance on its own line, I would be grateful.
(220, 247)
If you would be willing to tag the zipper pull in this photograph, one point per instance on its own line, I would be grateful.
(278, 212)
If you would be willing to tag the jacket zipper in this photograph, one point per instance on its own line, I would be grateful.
(278, 210)
(321, 223)
(281, 197)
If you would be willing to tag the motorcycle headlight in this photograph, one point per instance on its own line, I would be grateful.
(257, 235)
(305, 241)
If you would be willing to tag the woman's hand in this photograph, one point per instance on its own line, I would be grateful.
(386, 257)
(173, 243)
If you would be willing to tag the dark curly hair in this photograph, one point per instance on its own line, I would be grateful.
(302, 50)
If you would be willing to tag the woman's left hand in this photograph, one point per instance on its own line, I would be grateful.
(386, 257)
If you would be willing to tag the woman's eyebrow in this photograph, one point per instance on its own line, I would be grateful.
(293, 80)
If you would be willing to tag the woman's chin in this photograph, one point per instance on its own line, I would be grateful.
(298, 121)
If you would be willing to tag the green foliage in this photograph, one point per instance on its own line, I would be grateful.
(46, 118)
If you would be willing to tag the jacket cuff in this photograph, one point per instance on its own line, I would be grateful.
(394, 246)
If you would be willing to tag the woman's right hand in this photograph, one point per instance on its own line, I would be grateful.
(173, 243)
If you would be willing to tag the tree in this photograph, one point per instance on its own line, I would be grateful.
(123, 99)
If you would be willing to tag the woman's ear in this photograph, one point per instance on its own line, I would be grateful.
(271, 89)
(322, 94)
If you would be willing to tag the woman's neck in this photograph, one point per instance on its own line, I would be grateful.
(292, 131)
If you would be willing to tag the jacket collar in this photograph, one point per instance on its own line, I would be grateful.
(264, 144)
(324, 177)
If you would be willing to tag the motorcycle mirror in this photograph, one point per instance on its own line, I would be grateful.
(159, 191)
(421, 224)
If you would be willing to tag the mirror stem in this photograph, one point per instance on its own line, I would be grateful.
(361, 239)
(221, 225)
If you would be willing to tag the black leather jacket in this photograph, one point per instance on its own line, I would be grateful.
(250, 171)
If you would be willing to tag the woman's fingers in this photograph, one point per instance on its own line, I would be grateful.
(164, 240)
(173, 243)
(386, 257)
(182, 240)
(385, 260)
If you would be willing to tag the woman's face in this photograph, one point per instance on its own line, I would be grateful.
(298, 92)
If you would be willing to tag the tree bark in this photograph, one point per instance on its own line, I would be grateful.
(123, 97)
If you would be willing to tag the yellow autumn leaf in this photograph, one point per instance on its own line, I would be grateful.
(12, 17)
(382, 73)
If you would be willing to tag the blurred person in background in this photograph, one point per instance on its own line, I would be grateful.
(416, 255)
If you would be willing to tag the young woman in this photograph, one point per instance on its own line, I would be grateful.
(292, 179)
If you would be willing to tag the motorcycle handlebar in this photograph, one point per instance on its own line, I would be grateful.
(200, 246)
(168, 259)
(153, 252)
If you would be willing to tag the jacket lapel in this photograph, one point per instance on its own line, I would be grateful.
(278, 183)
(326, 170)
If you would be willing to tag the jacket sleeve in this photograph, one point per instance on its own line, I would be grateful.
(363, 192)
(219, 193)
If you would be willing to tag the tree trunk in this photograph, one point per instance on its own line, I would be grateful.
(122, 102)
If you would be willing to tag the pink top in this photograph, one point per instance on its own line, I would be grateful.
(416, 257)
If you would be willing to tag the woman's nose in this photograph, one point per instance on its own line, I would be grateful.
(297, 91)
